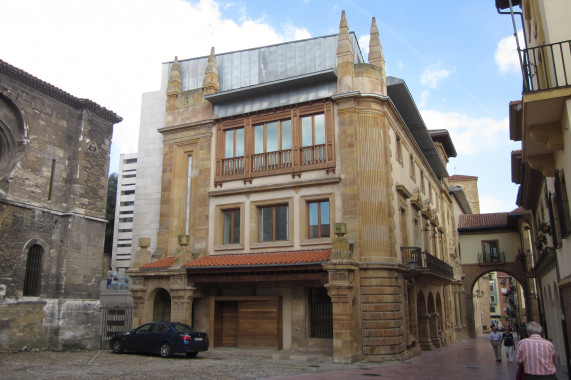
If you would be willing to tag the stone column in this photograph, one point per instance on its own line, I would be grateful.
(433, 322)
(424, 332)
(341, 288)
(182, 295)
(470, 323)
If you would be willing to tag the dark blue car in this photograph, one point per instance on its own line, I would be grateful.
(163, 338)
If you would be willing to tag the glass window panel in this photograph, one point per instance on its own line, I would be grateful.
(282, 223)
(286, 134)
(239, 142)
(319, 129)
(229, 144)
(259, 139)
(313, 220)
(272, 137)
(236, 226)
(266, 224)
(227, 226)
(306, 131)
(325, 219)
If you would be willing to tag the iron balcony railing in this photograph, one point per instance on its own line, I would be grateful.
(426, 261)
(491, 257)
(546, 67)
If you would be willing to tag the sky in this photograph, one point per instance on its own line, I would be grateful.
(458, 59)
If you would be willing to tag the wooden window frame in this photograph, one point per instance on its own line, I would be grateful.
(231, 238)
(244, 168)
(220, 231)
(274, 219)
(497, 242)
(319, 202)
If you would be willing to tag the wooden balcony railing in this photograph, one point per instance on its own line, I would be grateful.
(426, 261)
(292, 161)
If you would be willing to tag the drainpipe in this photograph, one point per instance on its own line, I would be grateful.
(512, 13)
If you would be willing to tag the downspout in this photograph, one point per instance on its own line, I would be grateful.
(512, 13)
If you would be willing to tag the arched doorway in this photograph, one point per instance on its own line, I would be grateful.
(162, 306)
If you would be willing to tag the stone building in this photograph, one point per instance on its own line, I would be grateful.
(54, 158)
(293, 199)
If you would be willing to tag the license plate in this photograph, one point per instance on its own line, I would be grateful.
(198, 339)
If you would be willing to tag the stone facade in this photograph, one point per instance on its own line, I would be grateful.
(53, 186)
(336, 280)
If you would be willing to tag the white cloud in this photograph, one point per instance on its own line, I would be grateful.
(490, 204)
(506, 55)
(364, 44)
(469, 134)
(424, 98)
(111, 51)
(432, 75)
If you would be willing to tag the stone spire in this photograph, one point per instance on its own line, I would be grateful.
(175, 83)
(376, 57)
(210, 83)
(345, 57)
(344, 47)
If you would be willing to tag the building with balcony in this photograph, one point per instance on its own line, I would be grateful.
(294, 199)
(124, 209)
(541, 120)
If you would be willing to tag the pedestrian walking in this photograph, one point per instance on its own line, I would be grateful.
(109, 277)
(508, 339)
(535, 355)
(496, 341)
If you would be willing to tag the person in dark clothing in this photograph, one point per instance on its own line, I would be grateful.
(508, 340)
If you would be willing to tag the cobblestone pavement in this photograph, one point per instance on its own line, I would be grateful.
(471, 359)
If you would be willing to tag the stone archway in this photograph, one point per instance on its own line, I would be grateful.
(161, 305)
(474, 271)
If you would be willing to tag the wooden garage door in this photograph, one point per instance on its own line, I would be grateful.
(259, 324)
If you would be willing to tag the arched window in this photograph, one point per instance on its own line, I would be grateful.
(33, 279)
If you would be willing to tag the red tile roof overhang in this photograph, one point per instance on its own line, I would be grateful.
(254, 267)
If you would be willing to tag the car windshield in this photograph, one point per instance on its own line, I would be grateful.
(181, 327)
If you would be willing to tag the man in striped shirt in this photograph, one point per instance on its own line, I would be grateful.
(537, 354)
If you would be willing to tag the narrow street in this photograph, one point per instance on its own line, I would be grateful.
(472, 359)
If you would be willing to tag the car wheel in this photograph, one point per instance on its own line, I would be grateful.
(191, 354)
(165, 350)
(117, 346)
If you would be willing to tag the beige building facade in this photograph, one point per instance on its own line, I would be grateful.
(541, 120)
(301, 206)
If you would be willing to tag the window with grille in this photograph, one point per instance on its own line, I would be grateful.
(321, 313)
(33, 278)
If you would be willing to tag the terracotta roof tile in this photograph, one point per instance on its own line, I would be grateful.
(261, 259)
(518, 210)
(483, 220)
(167, 262)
